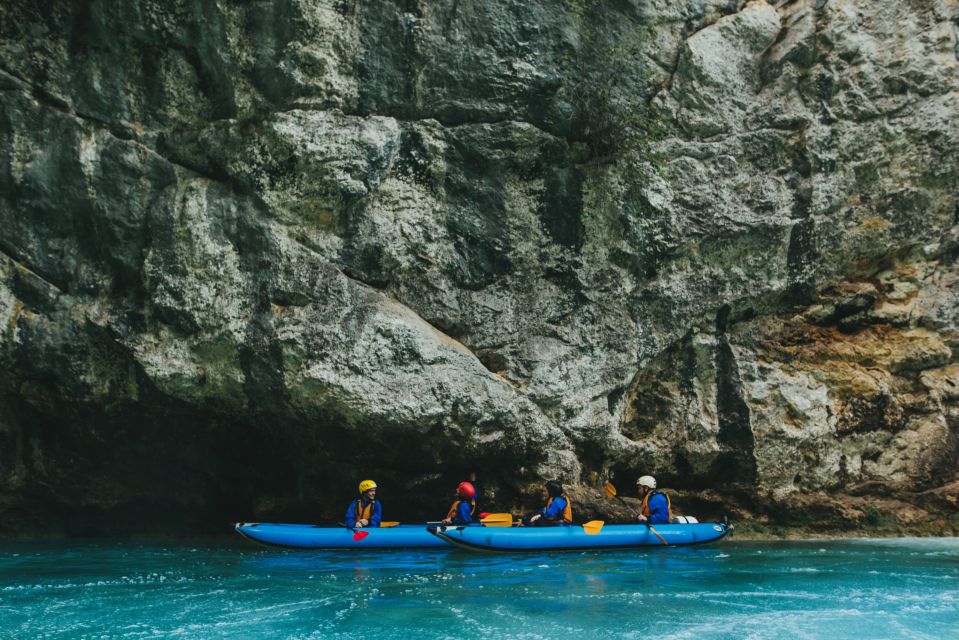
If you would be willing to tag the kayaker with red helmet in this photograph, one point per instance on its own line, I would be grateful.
(366, 510)
(558, 509)
(656, 505)
(462, 510)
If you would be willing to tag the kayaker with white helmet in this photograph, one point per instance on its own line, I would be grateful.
(558, 509)
(656, 504)
(462, 510)
(366, 510)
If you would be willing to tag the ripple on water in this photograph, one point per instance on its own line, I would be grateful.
(835, 590)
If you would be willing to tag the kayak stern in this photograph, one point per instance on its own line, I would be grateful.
(579, 538)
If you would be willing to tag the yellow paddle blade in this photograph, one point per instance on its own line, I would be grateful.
(498, 520)
(593, 527)
(609, 490)
(386, 525)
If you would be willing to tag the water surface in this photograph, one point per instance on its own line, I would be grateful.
(905, 588)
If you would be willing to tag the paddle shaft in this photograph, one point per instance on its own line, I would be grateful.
(649, 526)
(656, 533)
(490, 520)
(358, 534)
(610, 489)
(625, 504)
(383, 525)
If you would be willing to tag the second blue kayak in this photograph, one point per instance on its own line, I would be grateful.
(576, 537)
(310, 536)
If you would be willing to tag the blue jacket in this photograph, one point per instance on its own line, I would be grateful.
(351, 511)
(464, 513)
(658, 509)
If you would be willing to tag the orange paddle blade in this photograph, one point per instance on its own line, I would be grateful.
(593, 527)
(388, 524)
(609, 490)
(498, 520)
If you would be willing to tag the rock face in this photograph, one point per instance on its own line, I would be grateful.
(251, 253)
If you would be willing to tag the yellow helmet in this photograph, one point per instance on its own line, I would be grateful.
(366, 485)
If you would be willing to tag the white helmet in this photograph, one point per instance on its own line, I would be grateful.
(647, 481)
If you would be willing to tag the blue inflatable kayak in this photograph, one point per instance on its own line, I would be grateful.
(310, 536)
(576, 537)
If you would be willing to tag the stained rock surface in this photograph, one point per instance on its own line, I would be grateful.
(254, 252)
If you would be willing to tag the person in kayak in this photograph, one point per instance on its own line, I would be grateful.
(462, 510)
(366, 510)
(656, 505)
(477, 487)
(558, 509)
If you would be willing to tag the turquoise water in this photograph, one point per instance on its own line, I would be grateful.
(907, 588)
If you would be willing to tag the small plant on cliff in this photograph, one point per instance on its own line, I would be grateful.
(871, 514)
(609, 87)
(876, 518)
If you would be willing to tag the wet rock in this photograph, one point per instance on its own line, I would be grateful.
(251, 253)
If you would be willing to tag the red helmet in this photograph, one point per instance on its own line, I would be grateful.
(466, 490)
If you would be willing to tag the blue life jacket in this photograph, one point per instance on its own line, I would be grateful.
(461, 511)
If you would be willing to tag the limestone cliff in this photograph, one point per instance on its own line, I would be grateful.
(251, 252)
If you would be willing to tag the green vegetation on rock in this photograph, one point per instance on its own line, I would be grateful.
(609, 86)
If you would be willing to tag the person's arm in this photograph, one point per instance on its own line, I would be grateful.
(377, 514)
(552, 512)
(350, 518)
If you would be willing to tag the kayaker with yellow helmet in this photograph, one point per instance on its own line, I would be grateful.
(558, 509)
(462, 510)
(366, 510)
(656, 505)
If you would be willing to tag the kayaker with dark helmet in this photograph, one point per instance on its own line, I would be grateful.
(558, 509)
(366, 510)
(477, 486)
(462, 510)
(656, 505)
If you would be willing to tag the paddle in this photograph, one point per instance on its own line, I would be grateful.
(498, 520)
(358, 534)
(593, 527)
(610, 491)
(490, 520)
